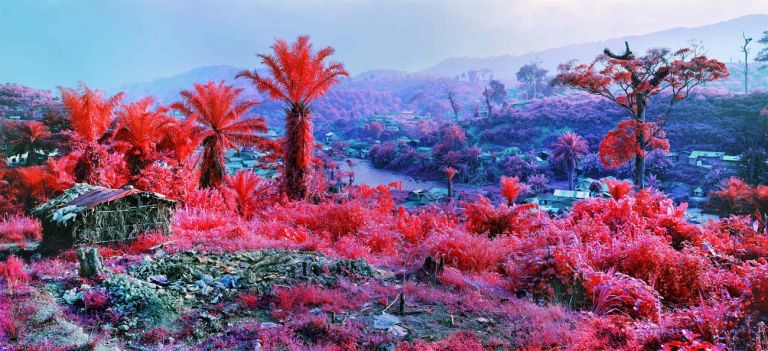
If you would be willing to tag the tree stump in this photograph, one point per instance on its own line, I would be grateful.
(90, 261)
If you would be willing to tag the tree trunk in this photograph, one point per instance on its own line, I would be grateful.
(90, 262)
(212, 170)
(639, 178)
(571, 171)
(298, 151)
(450, 189)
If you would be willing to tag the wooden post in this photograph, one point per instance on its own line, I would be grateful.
(90, 262)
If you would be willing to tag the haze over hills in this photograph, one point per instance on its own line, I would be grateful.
(720, 40)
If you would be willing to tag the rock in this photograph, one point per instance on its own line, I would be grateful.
(159, 280)
(123, 327)
(386, 346)
(207, 279)
(398, 331)
(71, 296)
(385, 321)
(229, 281)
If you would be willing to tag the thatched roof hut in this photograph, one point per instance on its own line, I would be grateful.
(87, 214)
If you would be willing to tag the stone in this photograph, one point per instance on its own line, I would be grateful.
(385, 321)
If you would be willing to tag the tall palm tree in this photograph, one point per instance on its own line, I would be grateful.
(298, 76)
(90, 116)
(569, 149)
(28, 138)
(218, 113)
(143, 129)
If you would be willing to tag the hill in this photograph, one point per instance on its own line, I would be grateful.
(721, 40)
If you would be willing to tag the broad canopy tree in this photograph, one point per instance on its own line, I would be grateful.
(298, 76)
(630, 81)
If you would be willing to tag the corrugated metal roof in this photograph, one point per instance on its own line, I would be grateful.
(99, 196)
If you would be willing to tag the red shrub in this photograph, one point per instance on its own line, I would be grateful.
(96, 299)
(468, 252)
(678, 276)
(468, 341)
(19, 228)
(618, 189)
(300, 298)
(13, 273)
(614, 292)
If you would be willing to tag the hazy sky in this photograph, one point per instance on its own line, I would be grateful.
(44, 43)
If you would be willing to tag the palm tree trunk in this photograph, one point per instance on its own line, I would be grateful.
(298, 151)
(571, 171)
(212, 169)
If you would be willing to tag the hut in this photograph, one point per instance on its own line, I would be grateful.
(87, 214)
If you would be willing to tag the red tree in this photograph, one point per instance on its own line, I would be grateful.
(215, 109)
(143, 130)
(511, 189)
(90, 116)
(29, 138)
(298, 76)
(450, 172)
(569, 148)
(630, 81)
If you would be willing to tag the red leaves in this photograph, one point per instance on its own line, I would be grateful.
(617, 293)
(90, 112)
(450, 172)
(511, 188)
(12, 273)
(142, 129)
(298, 74)
(215, 109)
(17, 229)
(618, 189)
(621, 144)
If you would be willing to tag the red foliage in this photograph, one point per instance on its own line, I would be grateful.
(15, 229)
(246, 190)
(143, 130)
(468, 341)
(301, 298)
(484, 218)
(96, 299)
(511, 188)
(90, 112)
(614, 292)
(13, 273)
(621, 144)
(299, 75)
(618, 188)
(218, 113)
(450, 172)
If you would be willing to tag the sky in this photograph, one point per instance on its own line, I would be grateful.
(109, 43)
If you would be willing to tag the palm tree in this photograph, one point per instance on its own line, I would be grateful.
(90, 116)
(298, 76)
(142, 129)
(569, 149)
(28, 138)
(214, 107)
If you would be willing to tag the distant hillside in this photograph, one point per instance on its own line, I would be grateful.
(167, 89)
(721, 40)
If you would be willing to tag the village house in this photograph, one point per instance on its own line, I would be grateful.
(559, 201)
(87, 214)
